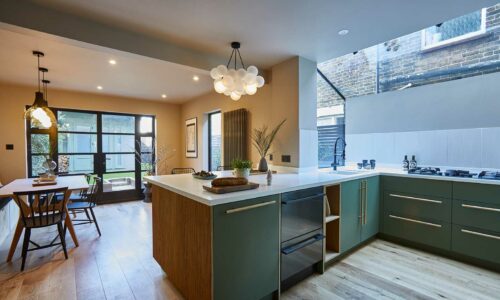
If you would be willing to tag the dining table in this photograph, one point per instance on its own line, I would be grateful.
(74, 183)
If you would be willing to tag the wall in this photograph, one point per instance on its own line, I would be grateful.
(258, 106)
(13, 99)
(454, 123)
(396, 63)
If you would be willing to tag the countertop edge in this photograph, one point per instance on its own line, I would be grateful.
(245, 195)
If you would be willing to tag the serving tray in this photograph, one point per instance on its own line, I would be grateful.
(231, 188)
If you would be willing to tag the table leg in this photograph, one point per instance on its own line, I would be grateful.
(15, 239)
(69, 225)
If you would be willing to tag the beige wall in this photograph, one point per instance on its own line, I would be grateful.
(290, 90)
(258, 105)
(13, 99)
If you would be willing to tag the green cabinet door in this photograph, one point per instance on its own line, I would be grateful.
(350, 214)
(246, 248)
(371, 210)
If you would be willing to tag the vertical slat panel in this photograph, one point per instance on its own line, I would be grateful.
(235, 135)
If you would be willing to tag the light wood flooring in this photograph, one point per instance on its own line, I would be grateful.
(119, 265)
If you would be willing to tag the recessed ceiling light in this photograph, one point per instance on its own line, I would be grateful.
(112, 62)
(196, 78)
(99, 87)
(343, 32)
(164, 96)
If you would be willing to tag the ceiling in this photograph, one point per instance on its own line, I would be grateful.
(270, 31)
(82, 67)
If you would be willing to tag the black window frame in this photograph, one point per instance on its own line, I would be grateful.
(210, 167)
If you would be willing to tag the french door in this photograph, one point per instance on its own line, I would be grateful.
(116, 147)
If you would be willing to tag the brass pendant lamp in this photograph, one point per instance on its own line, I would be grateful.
(40, 115)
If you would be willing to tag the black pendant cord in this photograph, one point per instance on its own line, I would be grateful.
(230, 58)
(241, 60)
(38, 56)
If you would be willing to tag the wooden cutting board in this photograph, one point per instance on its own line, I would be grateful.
(230, 189)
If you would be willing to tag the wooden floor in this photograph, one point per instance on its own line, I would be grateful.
(119, 265)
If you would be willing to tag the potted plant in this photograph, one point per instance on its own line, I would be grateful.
(241, 167)
(262, 141)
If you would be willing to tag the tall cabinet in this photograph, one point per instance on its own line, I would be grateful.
(359, 211)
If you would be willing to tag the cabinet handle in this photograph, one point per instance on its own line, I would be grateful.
(416, 221)
(481, 207)
(366, 202)
(361, 202)
(416, 198)
(239, 209)
(481, 234)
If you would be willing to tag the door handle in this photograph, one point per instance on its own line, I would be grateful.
(366, 202)
(490, 236)
(415, 221)
(239, 209)
(300, 245)
(481, 207)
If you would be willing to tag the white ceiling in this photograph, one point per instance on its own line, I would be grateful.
(270, 30)
(82, 67)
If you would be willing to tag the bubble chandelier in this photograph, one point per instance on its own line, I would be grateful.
(236, 82)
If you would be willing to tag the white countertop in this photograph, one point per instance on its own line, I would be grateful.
(186, 185)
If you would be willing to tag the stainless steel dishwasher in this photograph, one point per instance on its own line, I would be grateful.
(301, 234)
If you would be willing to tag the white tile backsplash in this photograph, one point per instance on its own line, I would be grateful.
(490, 148)
(468, 148)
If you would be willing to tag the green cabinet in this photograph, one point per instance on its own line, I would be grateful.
(359, 211)
(350, 214)
(372, 208)
(246, 248)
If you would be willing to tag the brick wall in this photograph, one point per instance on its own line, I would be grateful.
(399, 62)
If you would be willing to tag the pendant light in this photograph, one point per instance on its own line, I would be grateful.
(236, 82)
(39, 113)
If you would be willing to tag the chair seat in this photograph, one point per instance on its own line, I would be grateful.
(45, 220)
(80, 205)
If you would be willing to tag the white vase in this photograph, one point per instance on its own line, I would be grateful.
(242, 173)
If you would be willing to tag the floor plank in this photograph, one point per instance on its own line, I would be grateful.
(119, 265)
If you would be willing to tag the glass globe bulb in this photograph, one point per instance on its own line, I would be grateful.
(219, 86)
(251, 89)
(235, 96)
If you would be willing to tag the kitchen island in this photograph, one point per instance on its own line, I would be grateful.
(228, 246)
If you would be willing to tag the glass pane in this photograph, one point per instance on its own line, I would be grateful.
(118, 143)
(120, 162)
(74, 163)
(146, 144)
(77, 143)
(147, 162)
(36, 164)
(215, 141)
(453, 28)
(118, 124)
(40, 143)
(118, 182)
(76, 121)
(146, 125)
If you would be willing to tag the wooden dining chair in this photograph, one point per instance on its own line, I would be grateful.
(183, 171)
(38, 209)
(86, 204)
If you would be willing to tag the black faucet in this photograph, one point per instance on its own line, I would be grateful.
(335, 163)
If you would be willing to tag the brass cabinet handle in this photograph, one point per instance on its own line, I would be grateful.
(481, 207)
(366, 202)
(240, 209)
(416, 198)
(481, 234)
(361, 202)
(416, 221)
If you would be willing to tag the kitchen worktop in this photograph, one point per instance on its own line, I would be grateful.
(186, 185)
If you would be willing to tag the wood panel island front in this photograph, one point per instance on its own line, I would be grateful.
(229, 246)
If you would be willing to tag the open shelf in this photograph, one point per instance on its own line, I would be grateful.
(332, 222)
(329, 255)
(331, 218)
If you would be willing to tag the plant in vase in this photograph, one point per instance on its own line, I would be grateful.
(262, 141)
(152, 162)
(241, 167)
